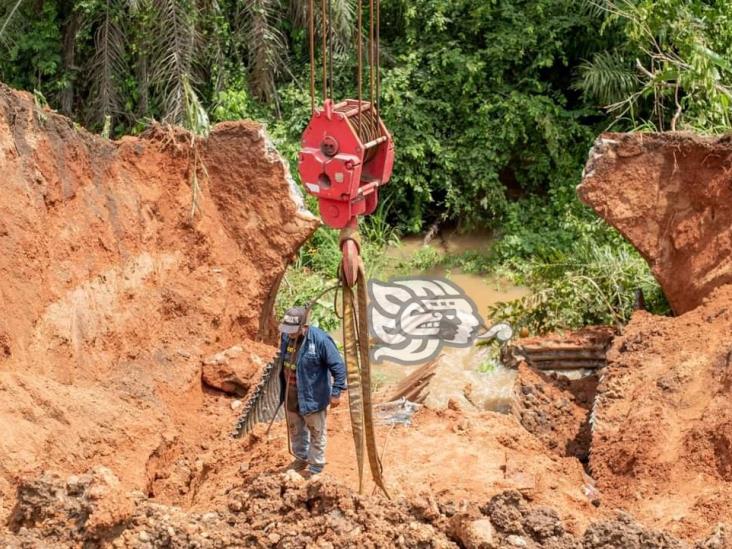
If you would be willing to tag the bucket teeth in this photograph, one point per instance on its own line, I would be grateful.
(264, 400)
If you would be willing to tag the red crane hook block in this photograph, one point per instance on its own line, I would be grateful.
(346, 156)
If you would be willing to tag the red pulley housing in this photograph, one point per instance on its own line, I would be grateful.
(345, 157)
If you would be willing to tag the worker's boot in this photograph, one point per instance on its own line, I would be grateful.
(297, 465)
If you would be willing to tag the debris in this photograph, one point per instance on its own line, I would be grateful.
(414, 387)
(398, 412)
(232, 371)
(583, 349)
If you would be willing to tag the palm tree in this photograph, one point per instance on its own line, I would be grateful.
(160, 55)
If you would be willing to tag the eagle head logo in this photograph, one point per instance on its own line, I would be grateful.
(412, 318)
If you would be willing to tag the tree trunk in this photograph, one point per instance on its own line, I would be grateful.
(70, 28)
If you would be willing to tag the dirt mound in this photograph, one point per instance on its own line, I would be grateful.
(113, 292)
(662, 421)
(556, 409)
(275, 510)
(670, 195)
(283, 510)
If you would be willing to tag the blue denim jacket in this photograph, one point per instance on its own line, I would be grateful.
(317, 360)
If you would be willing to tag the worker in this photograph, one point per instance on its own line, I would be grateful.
(313, 377)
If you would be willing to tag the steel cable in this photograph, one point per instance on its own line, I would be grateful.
(311, 29)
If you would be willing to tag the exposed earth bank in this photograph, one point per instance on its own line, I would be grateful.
(113, 289)
(662, 436)
(137, 283)
(662, 421)
(670, 195)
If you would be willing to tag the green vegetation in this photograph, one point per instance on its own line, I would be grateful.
(493, 104)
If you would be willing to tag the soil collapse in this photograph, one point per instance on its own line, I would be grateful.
(138, 279)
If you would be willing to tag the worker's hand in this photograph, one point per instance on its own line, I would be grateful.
(335, 401)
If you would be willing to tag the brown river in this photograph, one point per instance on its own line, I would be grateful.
(471, 370)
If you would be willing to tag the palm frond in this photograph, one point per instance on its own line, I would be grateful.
(9, 17)
(298, 13)
(263, 405)
(607, 78)
(594, 8)
(342, 18)
(266, 46)
(108, 65)
(195, 117)
(171, 59)
(10, 22)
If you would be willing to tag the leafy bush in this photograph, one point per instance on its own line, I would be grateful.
(580, 270)
(670, 65)
(593, 285)
(300, 287)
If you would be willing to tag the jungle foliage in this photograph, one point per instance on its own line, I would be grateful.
(493, 104)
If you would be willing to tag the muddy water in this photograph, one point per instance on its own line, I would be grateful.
(460, 374)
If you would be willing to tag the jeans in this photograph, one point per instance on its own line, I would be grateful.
(308, 437)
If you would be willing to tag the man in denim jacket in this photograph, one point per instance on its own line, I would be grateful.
(313, 377)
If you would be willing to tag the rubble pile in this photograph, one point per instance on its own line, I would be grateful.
(284, 510)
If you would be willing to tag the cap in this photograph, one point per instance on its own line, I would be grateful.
(294, 318)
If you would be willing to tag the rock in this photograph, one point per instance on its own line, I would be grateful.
(453, 404)
(232, 371)
(143, 536)
(719, 539)
(210, 517)
(294, 477)
(543, 523)
(426, 508)
(235, 404)
(516, 541)
(477, 534)
(506, 511)
(75, 484)
(624, 532)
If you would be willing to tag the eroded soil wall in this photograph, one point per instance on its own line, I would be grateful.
(112, 291)
(670, 195)
(662, 421)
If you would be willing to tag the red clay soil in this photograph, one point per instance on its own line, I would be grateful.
(556, 410)
(670, 195)
(115, 298)
(461, 457)
(112, 293)
(284, 510)
(662, 421)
